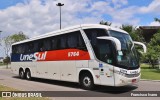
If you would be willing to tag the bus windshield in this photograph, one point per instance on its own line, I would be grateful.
(129, 59)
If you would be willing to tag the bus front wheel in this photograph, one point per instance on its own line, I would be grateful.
(86, 81)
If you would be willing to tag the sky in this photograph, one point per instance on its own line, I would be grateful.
(36, 17)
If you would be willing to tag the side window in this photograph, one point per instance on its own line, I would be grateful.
(102, 48)
(44, 44)
(104, 51)
(63, 41)
(54, 43)
(40, 45)
(14, 49)
(72, 40)
(18, 49)
(81, 43)
(47, 45)
(67, 41)
(26, 48)
(36, 46)
(30, 47)
(92, 34)
(22, 48)
(76, 41)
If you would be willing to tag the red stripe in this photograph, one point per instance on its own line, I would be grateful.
(66, 54)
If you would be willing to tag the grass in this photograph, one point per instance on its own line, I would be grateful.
(5, 88)
(1, 64)
(149, 73)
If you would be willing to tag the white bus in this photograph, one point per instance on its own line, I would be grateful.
(88, 54)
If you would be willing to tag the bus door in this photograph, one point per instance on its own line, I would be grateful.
(104, 53)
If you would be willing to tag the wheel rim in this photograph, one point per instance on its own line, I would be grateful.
(21, 74)
(87, 81)
(28, 75)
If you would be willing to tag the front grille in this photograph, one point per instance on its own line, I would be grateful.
(132, 75)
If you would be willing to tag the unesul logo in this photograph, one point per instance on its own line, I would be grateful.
(33, 57)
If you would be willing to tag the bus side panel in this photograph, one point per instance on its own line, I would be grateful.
(47, 69)
(15, 67)
(53, 68)
(58, 70)
(41, 69)
(68, 71)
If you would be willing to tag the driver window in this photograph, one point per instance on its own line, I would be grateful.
(104, 51)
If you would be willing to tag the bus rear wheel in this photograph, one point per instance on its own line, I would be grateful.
(21, 74)
(28, 75)
(86, 81)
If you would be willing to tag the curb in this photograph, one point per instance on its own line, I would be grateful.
(150, 80)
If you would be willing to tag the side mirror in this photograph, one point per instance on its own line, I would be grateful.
(115, 40)
(143, 45)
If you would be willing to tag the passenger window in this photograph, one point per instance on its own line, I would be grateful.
(44, 44)
(76, 41)
(14, 49)
(26, 48)
(92, 34)
(54, 43)
(72, 40)
(81, 43)
(41, 46)
(35, 49)
(63, 42)
(30, 47)
(47, 45)
(22, 48)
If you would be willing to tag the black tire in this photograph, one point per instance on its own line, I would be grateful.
(86, 81)
(21, 74)
(28, 75)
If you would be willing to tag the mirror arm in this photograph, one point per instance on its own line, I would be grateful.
(115, 40)
(143, 45)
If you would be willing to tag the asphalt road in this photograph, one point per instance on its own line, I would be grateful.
(11, 80)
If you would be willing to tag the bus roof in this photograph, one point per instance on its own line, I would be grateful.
(71, 29)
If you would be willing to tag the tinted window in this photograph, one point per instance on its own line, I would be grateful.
(103, 51)
(63, 42)
(30, 47)
(14, 49)
(40, 45)
(54, 43)
(92, 34)
(102, 48)
(76, 41)
(47, 45)
(72, 40)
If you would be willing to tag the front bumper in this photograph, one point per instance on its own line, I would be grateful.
(121, 80)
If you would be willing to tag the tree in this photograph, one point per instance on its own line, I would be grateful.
(0, 38)
(105, 23)
(157, 20)
(7, 45)
(9, 40)
(6, 60)
(133, 32)
(153, 52)
(18, 37)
